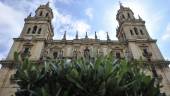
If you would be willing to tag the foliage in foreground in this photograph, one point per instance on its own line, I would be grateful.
(103, 77)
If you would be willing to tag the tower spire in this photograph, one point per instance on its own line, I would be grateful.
(64, 36)
(120, 4)
(86, 36)
(29, 15)
(95, 35)
(77, 35)
(108, 38)
(139, 17)
(48, 3)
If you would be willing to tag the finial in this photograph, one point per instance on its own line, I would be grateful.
(139, 17)
(64, 36)
(120, 4)
(77, 35)
(48, 3)
(108, 37)
(29, 15)
(95, 35)
(86, 36)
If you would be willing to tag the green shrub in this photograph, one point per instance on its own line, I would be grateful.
(103, 77)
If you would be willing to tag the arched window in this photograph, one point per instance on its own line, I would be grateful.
(39, 31)
(55, 55)
(28, 31)
(34, 30)
(41, 13)
(136, 31)
(46, 15)
(26, 50)
(131, 32)
(118, 55)
(128, 15)
(86, 53)
(145, 50)
(141, 32)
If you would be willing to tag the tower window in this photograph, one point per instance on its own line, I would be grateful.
(28, 31)
(145, 51)
(39, 31)
(136, 31)
(141, 32)
(41, 13)
(55, 55)
(118, 55)
(131, 32)
(46, 15)
(128, 15)
(26, 50)
(34, 30)
(123, 16)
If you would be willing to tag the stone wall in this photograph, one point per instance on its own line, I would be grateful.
(7, 87)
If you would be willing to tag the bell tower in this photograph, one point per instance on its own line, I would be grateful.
(130, 28)
(133, 32)
(39, 26)
(36, 32)
(124, 14)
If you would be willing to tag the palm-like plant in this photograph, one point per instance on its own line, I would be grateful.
(103, 77)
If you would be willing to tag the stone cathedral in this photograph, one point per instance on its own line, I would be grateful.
(37, 43)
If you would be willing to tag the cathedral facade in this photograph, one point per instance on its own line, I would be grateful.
(37, 39)
(36, 42)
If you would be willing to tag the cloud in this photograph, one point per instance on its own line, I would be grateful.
(152, 16)
(168, 58)
(110, 22)
(68, 2)
(11, 18)
(66, 22)
(71, 27)
(12, 21)
(166, 35)
(10, 24)
(101, 34)
(81, 26)
(89, 12)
